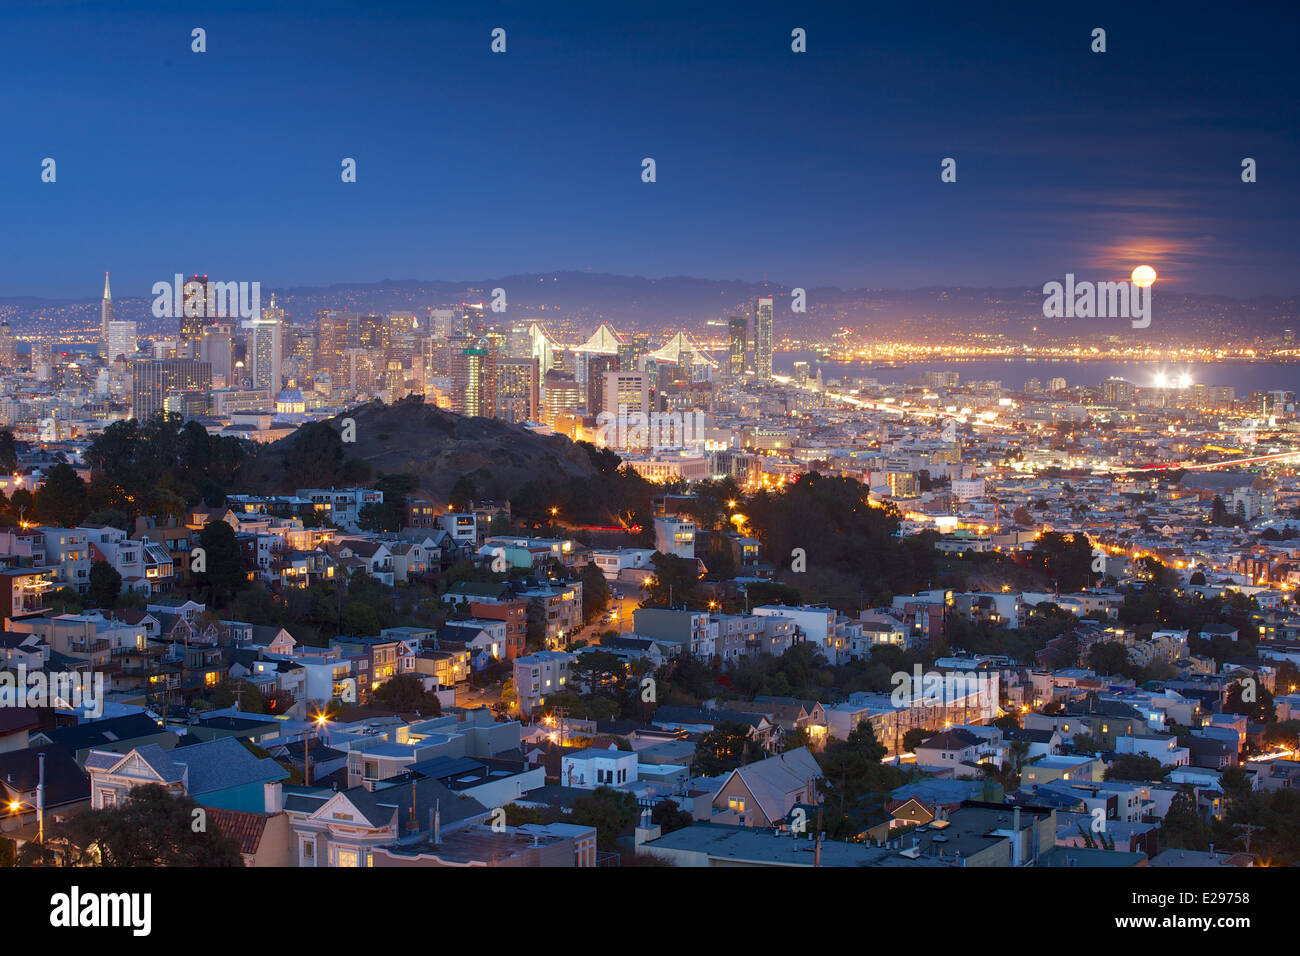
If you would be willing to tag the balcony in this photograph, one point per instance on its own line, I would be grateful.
(90, 647)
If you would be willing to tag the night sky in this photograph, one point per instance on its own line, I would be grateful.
(811, 168)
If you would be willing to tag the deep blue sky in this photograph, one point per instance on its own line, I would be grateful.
(814, 168)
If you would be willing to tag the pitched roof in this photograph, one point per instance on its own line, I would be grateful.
(65, 782)
(772, 779)
(955, 739)
(111, 730)
(245, 828)
(223, 763)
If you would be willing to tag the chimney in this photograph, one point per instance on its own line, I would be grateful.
(273, 797)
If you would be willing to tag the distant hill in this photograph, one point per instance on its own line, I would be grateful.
(437, 447)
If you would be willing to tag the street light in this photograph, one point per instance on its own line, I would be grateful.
(15, 806)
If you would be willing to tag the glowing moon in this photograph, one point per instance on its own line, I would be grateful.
(1144, 276)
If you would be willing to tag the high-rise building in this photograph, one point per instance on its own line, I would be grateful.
(332, 340)
(738, 335)
(1115, 391)
(197, 309)
(217, 349)
(472, 319)
(630, 351)
(8, 347)
(473, 380)
(155, 379)
(763, 339)
(561, 396)
(442, 323)
(121, 341)
(626, 393)
(264, 349)
(597, 366)
(303, 350)
(517, 389)
(105, 317)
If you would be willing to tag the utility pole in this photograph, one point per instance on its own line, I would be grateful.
(817, 847)
(40, 800)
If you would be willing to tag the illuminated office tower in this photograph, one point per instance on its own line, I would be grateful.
(40, 355)
(395, 381)
(597, 366)
(472, 319)
(627, 397)
(763, 339)
(437, 355)
(8, 347)
(631, 350)
(370, 333)
(264, 348)
(626, 393)
(401, 333)
(156, 379)
(217, 348)
(738, 340)
(332, 340)
(121, 341)
(517, 389)
(105, 317)
(196, 310)
(303, 349)
(473, 380)
(442, 323)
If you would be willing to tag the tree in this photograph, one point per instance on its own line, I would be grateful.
(152, 828)
(1252, 699)
(722, 749)
(1065, 558)
(1182, 827)
(535, 624)
(853, 772)
(667, 815)
(241, 693)
(674, 580)
(915, 737)
(223, 573)
(595, 591)
(315, 456)
(600, 672)
(1108, 657)
(8, 452)
(62, 499)
(612, 812)
(1136, 767)
(1219, 513)
(406, 692)
(105, 584)
(356, 471)
(360, 618)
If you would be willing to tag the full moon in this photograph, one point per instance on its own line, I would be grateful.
(1144, 276)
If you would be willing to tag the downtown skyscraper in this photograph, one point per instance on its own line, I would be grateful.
(265, 348)
(105, 317)
(763, 339)
(737, 338)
